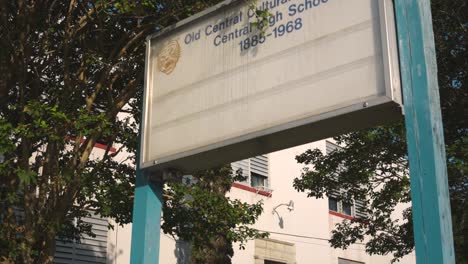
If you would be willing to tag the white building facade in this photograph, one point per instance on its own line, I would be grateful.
(299, 226)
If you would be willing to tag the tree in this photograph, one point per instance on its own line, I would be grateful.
(197, 211)
(372, 165)
(69, 69)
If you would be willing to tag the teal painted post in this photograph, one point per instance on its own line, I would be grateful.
(426, 150)
(146, 220)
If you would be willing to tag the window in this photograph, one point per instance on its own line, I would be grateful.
(338, 206)
(347, 261)
(255, 170)
(272, 262)
(333, 204)
(355, 209)
(89, 249)
(257, 180)
(346, 208)
(183, 251)
(273, 251)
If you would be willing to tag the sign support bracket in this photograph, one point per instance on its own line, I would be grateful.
(426, 148)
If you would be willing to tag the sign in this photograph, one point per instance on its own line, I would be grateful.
(219, 90)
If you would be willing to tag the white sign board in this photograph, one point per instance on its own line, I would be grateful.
(217, 90)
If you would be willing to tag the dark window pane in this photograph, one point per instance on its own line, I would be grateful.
(257, 180)
(332, 204)
(346, 209)
(273, 262)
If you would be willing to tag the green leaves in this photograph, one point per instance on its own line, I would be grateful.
(124, 6)
(41, 120)
(65, 75)
(27, 177)
(90, 123)
(197, 210)
(370, 166)
(261, 15)
(6, 140)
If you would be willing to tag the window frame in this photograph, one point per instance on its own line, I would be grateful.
(263, 178)
(329, 148)
(250, 170)
(340, 209)
(349, 261)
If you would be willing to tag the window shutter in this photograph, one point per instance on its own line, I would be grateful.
(359, 209)
(330, 147)
(359, 206)
(253, 166)
(244, 165)
(259, 165)
(88, 250)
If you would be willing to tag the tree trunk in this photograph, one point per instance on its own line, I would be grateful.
(47, 249)
(38, 248)
(218, 251)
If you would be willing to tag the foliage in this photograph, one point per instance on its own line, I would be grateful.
(261, 16)
(197, 210)
(71, 77)
(372, 165)
(372, 168)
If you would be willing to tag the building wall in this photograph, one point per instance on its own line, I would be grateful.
(307, 227)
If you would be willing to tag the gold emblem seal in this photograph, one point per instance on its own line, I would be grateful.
(168, 57)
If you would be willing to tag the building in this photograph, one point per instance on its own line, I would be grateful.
(299, 226)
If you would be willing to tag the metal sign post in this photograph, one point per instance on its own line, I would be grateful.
(146, 220)
(426, 149)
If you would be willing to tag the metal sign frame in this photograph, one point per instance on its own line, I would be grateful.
(361, 114)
